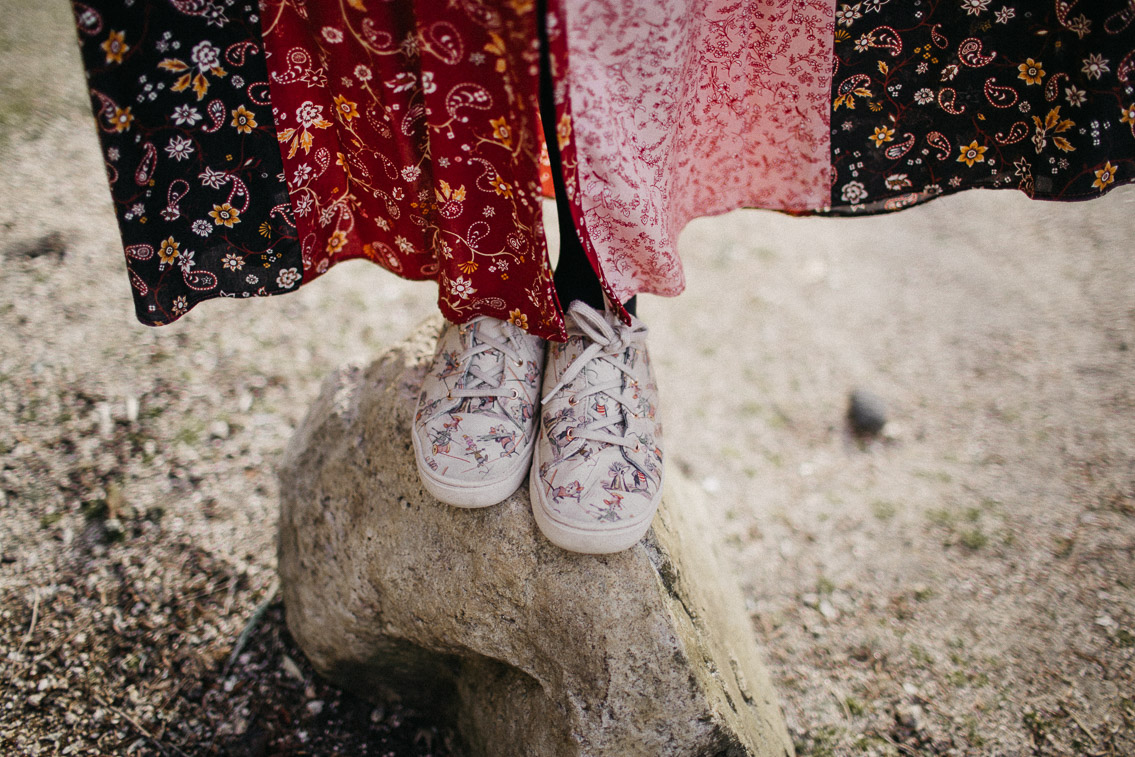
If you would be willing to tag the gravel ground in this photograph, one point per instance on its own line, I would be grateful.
(960, 584)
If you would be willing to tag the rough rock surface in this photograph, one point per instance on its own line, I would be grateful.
(529, 649)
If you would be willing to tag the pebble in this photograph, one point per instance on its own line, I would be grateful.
(912, 716)
(866, 412)
(131, 408)
(103, 418)
(290, 667)
(219, 430)
(315, 706)
(114, 528)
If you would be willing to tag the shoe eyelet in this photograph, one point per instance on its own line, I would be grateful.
(518, 363)
(515, 393)
(572, 401)
(570, 435)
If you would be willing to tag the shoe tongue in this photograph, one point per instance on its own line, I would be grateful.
(488, 361)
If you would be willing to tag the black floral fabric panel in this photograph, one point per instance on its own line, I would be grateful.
(935, 96)
(180, 94)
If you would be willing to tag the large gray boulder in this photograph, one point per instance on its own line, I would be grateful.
(529, 649)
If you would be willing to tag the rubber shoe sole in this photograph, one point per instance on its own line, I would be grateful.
(469, 495)
(581, 540)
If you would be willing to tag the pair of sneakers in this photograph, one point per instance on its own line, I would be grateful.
(579, 416)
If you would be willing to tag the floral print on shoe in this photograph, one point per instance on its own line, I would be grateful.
(597, 470)
(475, 423)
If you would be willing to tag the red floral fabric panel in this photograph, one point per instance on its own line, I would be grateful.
(411, 137)
(939, 96)
(180, 95)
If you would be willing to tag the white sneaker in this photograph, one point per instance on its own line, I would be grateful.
(597, 470)
(475, 423)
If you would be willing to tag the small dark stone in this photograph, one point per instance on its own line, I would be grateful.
(52, 244)
(866, 412)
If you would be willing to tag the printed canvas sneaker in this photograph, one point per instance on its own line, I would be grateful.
(597, 470)
(475, 424)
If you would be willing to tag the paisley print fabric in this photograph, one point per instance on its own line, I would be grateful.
(180, 95)
(933, 97)
(249, 150)
(410, 136)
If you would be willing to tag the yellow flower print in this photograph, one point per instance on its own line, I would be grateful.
(1127, 115)
(115, 47)
(244, 120)
(168, 252)
(848, 99)
(446, 193)
(974, 153)
(1031, 71)
(122, 119)
(310, 116)
(1052, 124)
(206, 59)
(882, 134)
(345, 109)
(501, 132)
(497, 47)
(1105, 176)
(342, 162)
(469, 266)
(336, 242)
(518, 319)
(501, 186)
(563, 131)
(225, 215)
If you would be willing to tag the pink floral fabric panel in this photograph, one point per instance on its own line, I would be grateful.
(410, 137)
(684, 109)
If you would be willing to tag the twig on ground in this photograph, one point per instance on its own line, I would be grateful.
(842, 701)
(169, 697)
(229, 596)
(250, 626)
(1077, 721)
(211, 590)
(35, 617)
(163, 748)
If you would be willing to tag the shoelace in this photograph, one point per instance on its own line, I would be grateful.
(609, 344)
(478, 335)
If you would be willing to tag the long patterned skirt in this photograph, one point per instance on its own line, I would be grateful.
(250, 148)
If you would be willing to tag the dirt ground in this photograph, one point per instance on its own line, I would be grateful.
(964, 584)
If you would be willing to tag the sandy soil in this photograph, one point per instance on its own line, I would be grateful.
(964, 584)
